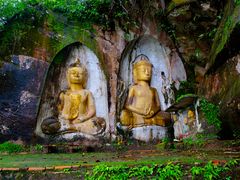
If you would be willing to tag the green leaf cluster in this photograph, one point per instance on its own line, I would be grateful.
(9, 8)
(211, 113)
(38, 148)
(169, 171)
(227, 25)
(190, 142)
(186, 88)
(237, 2)
(211, 171)
(100, 12)
(11, 147)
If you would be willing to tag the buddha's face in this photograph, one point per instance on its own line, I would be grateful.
(144, 72)
(76, 75)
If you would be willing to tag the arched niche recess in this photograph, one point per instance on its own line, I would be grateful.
(167, 70)
(56, 82)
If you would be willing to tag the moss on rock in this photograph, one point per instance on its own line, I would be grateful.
(229, 21)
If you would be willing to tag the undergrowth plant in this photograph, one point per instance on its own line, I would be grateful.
(211, 113)
(211, 171)
(9, 147)
(168, 171)
(38, 148)
(190, 142)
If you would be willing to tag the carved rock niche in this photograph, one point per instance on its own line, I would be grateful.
(50, 124)
(167, 70)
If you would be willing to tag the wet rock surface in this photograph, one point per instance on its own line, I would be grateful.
(222, 87)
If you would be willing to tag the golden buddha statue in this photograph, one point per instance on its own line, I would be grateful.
(76, 105)
(142, 107)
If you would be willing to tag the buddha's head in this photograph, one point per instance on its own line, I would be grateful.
(77, 74)
(142, 70)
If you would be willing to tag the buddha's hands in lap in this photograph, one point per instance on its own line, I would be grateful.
(80, 119)
(151, 112)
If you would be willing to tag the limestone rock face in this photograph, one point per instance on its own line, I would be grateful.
(223, 88)
(40, 40)
(21, 83)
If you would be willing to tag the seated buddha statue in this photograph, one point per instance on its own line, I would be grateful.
(142, 107)
(76, 105)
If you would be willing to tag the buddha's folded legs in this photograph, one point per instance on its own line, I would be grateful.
(92, 126)
(126, 118)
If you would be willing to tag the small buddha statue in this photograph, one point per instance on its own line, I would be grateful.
(190, 119)
(142, 107)
(76, 105)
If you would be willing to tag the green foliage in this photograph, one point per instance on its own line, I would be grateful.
(100, 12)
(205, 137)
(9, 8)
(67, 171)
(212, 31)
(170, 171)
(211, 113)
(186, 88)
(185, 95)
(211, 171)
(208, 35)
(232, 163)
(166, 144)
(11, 147)
(237, 2)
(190, 142)
(228, 22)
(38, 148)
(104, 172)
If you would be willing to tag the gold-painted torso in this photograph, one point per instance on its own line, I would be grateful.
(74, 104)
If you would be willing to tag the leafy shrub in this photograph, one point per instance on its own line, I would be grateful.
(170, 171)
(100, 12)
(211, 113)
(185, 88)
(38, 148)
(11, 147)
(211, 171)
(190, 142)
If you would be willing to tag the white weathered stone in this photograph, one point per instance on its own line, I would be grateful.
(149, 133)
(159, 56)
(96, 83)
(167, 69)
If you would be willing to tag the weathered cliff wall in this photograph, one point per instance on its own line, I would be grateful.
(42, 37)
(44, 34)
